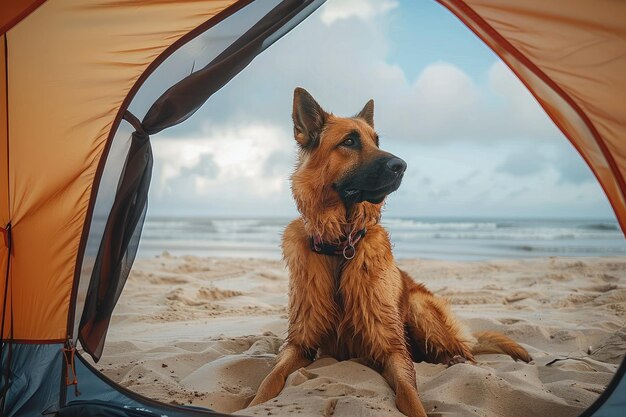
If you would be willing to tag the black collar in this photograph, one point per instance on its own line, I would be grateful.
(345, 248)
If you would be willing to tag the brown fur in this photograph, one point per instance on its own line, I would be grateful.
(365, 307)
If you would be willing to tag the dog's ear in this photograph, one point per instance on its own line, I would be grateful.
(367, 113)
(308, 118)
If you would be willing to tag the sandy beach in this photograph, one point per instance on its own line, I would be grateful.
(205, 331)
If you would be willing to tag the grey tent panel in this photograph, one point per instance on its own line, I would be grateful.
(95, 389)
(35, 378)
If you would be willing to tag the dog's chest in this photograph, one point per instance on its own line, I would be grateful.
(348, 339)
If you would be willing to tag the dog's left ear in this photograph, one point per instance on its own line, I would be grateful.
(308, 118)
(367, 113)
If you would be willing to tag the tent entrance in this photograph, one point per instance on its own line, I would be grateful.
(76, 215)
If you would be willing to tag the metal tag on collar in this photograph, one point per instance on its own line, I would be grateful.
(349, 251)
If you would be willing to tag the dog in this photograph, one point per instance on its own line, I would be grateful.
(347, 297)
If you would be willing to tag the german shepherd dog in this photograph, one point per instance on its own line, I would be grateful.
(347, 297)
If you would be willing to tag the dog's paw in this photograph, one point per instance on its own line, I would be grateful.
(456, 359)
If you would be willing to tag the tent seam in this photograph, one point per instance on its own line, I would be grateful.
(18, 18)
(6, 98)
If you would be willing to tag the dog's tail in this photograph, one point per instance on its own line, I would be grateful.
(494, 342)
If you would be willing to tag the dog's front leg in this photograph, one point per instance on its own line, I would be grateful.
(290, 359)
(372, 290)
(312, 308)
(399, 372)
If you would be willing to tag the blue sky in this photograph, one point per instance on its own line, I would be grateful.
(422, 32)
(476, 142)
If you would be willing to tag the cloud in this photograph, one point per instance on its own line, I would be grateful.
(573, 169)
(250, 163)
(465, 180)
(518, 108)
(362, 9)
(204, 168)
(343, 67)
(445, 104)
(518, 192)
(277, 162)
(234, 156)
(523, 163)
(440, 104)
(560, 158)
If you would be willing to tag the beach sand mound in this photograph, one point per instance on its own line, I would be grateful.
(205, 332)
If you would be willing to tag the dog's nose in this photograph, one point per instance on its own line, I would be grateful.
(396, 165)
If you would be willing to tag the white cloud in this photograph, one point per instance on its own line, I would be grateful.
(445, 104)
(236, 154)
(336, 10)
(519, 106)
(345, 67)
(441, 104)
(246, 161)
(523, 163)
(468, 179)
(245, 171)
(443, 84)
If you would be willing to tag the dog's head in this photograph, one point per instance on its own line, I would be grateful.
(343, 153)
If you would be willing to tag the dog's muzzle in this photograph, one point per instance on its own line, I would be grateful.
(372, 182)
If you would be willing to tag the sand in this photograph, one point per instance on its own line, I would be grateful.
(203, 331)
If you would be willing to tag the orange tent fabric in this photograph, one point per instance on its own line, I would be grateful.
(69, 67)
(572, 57)
(14, 11)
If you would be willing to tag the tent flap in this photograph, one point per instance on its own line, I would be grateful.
(123, 229)
(119, 245)
(571, 58)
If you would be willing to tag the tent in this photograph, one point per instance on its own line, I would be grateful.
(75, 158)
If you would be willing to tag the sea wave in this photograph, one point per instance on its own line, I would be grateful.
(564, 250)
(518, 235)
(438, 238)
(420, 225)
(600, 226)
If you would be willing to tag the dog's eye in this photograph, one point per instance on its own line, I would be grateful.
(348, 142)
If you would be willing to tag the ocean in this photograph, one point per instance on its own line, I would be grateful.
(429, 238)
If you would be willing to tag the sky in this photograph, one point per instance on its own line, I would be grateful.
(476, 142)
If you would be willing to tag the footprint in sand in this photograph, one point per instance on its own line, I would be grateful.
(519, 296)
(203, 295)
(168, 280)
(608, 278)
(508, 321)
(600, 288)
